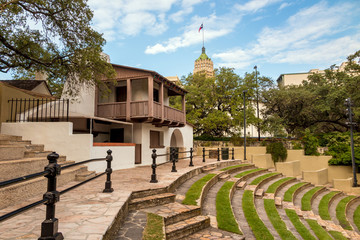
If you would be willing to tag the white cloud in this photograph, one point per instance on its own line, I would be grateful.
(255, 5)
(284, 5)
(128, 17)
(214, 27)
(307, 37)
(186, 8)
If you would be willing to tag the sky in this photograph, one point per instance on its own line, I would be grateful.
(279, 36)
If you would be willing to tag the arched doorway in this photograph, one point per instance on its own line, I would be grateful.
(177, 143)
(176, 139)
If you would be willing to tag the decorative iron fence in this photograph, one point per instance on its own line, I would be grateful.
(38, 110)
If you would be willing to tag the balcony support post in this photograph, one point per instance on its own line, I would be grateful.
(162, 100)
(151, 96)
(128, 99)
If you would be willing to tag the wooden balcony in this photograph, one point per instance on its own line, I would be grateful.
(139, 112)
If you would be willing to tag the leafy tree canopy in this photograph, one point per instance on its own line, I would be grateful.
(215, 105)
(318, 103)
(54, 37)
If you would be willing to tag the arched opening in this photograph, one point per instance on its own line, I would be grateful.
(176, 139)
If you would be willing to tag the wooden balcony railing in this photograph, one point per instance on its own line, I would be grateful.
(112, 110)
(139, 109)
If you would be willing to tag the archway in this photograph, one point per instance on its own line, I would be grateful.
(176, 139)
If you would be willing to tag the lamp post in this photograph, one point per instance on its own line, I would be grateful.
(257, 101)
(244, 93)
(351, 124)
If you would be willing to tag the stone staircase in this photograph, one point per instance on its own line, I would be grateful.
(20, 158)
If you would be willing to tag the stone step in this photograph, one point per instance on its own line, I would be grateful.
(208, 169)
(35, 147)
(175, 212)
(36, 153)
(224, 177)
(151, 201)
(18, 142)
(10, 137)
(9, 152)
(16, 193)
(186, 227)
(84, 176)
(21, 167)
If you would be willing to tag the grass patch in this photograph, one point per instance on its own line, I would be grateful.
(306, 199)
(194, 191)
(258, 180)
(258, 227)
(154, 227)
(235, 166)
(288, 196)
(318, 230)
(324, 205)
(357, 217)
(337, 235)
(272, 188)
(276, 220)
(340, 212)
(240, 175)
(224, 215)
(300, 227)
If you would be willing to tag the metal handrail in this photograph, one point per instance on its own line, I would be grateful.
(24, 178)
(82, 162)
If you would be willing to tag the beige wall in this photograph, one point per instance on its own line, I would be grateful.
(123, 157)
(139, 89)
(56, 136)
(7, 93)
(42, 89)
(84, 103)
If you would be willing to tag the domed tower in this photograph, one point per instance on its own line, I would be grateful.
(204, 65)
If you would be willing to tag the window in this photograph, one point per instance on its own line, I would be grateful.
(121, 94)
(156, 139)
(156, 95)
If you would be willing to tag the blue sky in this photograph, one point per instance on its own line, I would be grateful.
(279, 36)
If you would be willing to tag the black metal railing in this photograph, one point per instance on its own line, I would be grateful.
(38, 110)
(174, 157)
(49, 227)
(217, 153)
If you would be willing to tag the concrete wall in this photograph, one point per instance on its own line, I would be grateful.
(289, 169)
(262, 160)
(142, 136)
(123, 157)
(84, 103)
(42, 89)
(317, 177)
(56, 136)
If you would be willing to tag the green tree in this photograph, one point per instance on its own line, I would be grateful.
(53, 37)
(215, 105)
(317, 104)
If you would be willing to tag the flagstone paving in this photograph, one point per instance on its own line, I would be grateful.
(85, 212)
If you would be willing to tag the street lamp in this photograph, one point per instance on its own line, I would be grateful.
(257, 101)
(244, 93)
(351, 124)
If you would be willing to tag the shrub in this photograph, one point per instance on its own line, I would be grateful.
(297, 145)
(311, 143)
(277, 150)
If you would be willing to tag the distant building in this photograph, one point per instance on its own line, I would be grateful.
(204, 64)
(297, 78)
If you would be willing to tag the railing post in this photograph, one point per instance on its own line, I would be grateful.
(172, 155)
(218, 153)
(203, 154)
(109, 158)
(191, 158)
(232, 154)
(49, 227)
(153, 166)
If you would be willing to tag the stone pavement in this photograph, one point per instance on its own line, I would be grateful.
(85, 212)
